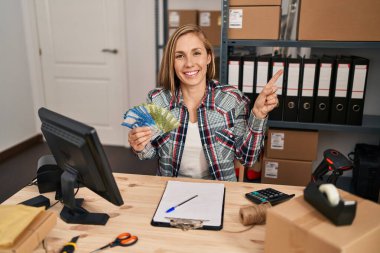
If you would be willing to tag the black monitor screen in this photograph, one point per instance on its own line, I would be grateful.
(78, 152)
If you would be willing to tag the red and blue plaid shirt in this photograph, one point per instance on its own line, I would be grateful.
(227, 127)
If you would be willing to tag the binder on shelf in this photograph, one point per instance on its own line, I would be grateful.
(278, 63)
(248, 77)
(234, 71)
(292, 89)
(191, 205)
(309, 78)
(340, 90)
(261, 74)
(323, 90)
(358, 79)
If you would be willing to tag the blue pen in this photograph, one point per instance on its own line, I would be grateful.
(171, 209)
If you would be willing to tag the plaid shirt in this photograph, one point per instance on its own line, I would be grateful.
(227, 128)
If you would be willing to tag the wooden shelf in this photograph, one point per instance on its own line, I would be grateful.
(311, 44)
(371, 125)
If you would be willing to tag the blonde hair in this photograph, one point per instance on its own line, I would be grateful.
(167, 77)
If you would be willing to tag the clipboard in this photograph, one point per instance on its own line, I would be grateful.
(206, 211)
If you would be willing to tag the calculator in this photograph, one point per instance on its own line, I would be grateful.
(268, 195)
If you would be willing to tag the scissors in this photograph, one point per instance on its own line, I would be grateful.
(124, 240)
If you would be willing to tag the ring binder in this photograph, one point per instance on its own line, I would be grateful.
(248, 77)
(340, 92)
(323, 90)
(278, 63)
(235, 71)
(306, 102)
(292, 90)
(261, 77)
(356, 94)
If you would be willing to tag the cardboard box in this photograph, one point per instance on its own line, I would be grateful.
(286, 172)
(178, 18)
(296, 226)
(254, 2)
(292, 144)
(210, 22)
(34, 233)
(254, 22)
(348, 20)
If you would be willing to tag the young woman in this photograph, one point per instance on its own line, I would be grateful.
(216, 125)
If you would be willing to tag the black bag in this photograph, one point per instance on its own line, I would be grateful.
(366, 172)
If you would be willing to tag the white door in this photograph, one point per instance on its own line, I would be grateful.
(82, 48)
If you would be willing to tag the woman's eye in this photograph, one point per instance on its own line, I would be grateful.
(179, 56)
(197, 53)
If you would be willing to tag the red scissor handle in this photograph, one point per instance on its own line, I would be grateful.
(125, 239)
(123, 236)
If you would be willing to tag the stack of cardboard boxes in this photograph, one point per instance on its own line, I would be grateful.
(288, 157)
(209, 21)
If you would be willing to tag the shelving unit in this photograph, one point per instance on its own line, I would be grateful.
(159, 46)
(371, 123)
(313, 44)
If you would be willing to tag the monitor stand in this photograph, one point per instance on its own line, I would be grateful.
(73, 212)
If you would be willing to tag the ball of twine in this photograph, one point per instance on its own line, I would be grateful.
(255, 214)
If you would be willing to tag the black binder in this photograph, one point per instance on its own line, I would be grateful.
(291, 94)
(261, 77)
(323, 90)
(340, 90)
(234, 71)
(309, 78)
(248, 77)
(278, 63)
(358, 81)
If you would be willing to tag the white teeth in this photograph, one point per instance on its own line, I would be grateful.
(191, 73)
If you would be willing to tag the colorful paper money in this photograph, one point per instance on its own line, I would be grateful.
(159, 119)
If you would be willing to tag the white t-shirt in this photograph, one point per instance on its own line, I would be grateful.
(193, 163)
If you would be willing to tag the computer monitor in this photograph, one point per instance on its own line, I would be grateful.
(79, 153)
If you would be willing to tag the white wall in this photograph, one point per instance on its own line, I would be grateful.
(141, 54)
(16, 115)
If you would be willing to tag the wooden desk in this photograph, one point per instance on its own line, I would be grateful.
(141, 196)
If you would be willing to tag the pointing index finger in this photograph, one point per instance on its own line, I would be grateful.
(275, 77)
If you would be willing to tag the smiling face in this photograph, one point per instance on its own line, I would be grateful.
(190, 61)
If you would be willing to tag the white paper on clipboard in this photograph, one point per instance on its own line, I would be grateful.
(207, 206)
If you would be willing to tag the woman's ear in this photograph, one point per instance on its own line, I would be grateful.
(208, 59)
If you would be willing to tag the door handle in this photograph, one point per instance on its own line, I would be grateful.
(112, 51)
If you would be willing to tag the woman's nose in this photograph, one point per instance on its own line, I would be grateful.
(189, 62)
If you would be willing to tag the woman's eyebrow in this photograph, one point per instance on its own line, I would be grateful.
(182, 52)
